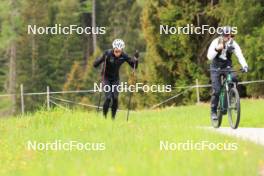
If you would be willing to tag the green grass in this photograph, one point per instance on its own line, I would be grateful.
(132, 148)
(5, 106)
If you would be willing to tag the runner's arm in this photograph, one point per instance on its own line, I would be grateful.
(99, 60)
(133, 62)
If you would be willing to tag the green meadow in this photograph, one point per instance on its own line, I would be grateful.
(131, 148)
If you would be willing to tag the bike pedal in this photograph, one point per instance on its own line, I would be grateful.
(224, 112)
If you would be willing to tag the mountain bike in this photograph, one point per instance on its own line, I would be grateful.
(229, 100)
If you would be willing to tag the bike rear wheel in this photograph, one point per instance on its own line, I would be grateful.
(234, 108)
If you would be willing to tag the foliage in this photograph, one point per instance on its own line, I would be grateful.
(65, 61)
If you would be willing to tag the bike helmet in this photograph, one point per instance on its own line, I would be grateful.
(226, 30)
(118, 43)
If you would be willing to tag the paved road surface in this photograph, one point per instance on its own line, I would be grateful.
(255, 135)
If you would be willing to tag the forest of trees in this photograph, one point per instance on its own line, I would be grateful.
(64, 62)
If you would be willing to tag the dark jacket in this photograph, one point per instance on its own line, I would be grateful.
(112, 64)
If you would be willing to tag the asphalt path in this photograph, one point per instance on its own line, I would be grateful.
(255, 135)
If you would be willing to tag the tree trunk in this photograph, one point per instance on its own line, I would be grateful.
(12, 60)
(94, 24)
(86, 20)
(12, 76)
(33, 55)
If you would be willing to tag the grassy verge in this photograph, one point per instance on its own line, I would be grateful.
(132, 148)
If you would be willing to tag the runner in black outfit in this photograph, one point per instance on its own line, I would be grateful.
(112, 60)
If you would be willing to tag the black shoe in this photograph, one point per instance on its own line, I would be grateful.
(105, 113)
(113, 114)
(224, 112)
(214, 116)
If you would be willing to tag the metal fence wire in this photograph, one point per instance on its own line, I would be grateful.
(51, 99)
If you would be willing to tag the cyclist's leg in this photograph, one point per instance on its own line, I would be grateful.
(234, 77)
(216, 85)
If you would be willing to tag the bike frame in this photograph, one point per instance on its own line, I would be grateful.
(225, 82)
(225, 104)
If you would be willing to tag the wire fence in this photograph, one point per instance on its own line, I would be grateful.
(50, 99)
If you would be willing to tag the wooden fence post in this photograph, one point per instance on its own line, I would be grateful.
(22, 99)
(48, 98)
(197, 91)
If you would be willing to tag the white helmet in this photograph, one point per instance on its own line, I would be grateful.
(118, 43)
(226, 30)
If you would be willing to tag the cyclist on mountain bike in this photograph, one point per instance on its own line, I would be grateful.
(112, 60)
(220, 52)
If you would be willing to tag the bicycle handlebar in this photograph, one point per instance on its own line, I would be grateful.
(226, 70)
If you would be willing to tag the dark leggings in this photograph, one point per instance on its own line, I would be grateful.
(111, 95)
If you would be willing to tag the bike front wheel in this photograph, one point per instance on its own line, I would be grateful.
(234, 108)
(217, 123)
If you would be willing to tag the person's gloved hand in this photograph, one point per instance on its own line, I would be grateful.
(219, 47)
(136, 55)
(245, 69)
(230, 49)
